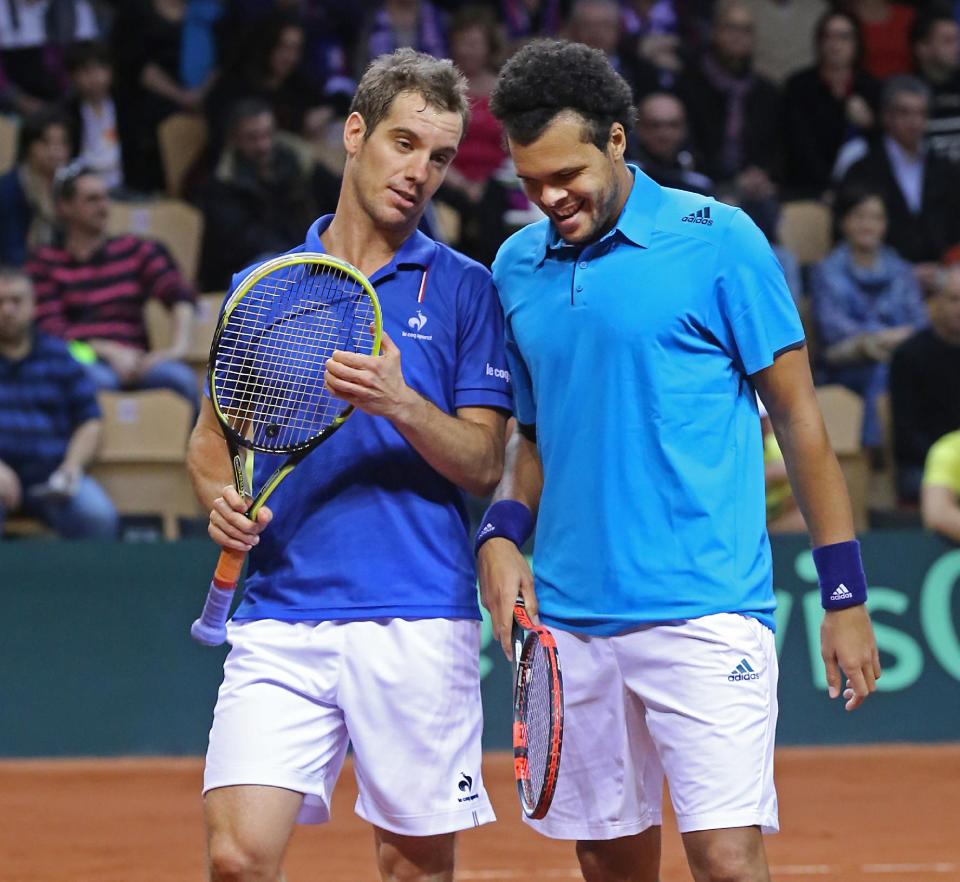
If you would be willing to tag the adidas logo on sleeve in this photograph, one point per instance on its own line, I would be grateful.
(841, 593)
(743, 671)
(700, 216)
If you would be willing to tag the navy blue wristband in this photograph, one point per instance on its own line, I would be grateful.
(507, 519)
(840, 573)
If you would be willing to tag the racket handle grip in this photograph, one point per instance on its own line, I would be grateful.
(211, 628)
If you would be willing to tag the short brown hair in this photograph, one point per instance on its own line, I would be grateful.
(436, 80)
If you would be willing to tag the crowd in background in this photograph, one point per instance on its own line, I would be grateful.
(759, 103)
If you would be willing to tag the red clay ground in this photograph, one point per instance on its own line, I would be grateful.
(880, 814)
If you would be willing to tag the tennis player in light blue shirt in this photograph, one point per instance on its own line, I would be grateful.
(641, 322)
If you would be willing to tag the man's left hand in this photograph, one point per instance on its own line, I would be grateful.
(371, 383)
(847, 644)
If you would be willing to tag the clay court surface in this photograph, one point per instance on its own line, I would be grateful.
(879, 814)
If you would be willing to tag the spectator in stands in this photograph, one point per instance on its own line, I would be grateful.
(268, 67)
(531, 18)
(93, 113)
(940, 504)
(785, 35)
(886, 36)
(597, 24)
(865, 301)
(659, 145)
(470, 186)
(34, 36)
(162, 52)
(936, 50)
(259, 201)
(921, 191)
(651, 31)
(51, 425)
(27, 212)
(92, 288)
(824, 106)
(397, 23)
(925, 386)
(733, 112)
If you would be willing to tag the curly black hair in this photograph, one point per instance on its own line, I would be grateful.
(547, 77)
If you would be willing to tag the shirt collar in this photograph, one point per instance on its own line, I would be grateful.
(416, 252)
(636, 221)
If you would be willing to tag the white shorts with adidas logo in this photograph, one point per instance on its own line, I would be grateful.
(406, 693)
(695, 700)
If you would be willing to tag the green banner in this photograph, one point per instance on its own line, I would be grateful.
(96, 657)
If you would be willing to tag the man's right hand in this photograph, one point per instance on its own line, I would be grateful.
(504, 574)
(229, 526)
(11, 492)
(124, 360)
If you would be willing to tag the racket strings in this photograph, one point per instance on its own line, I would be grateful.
(537, 711)
(271, 356)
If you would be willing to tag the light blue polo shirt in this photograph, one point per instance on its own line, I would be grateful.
(632, 356)
(364, 527)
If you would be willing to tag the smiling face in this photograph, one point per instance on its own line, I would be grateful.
(571, 180)
(395, 171)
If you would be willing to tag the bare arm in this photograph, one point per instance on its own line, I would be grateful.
(82, 448)
(467, 449)
(941, 511)
(208, 464)
(846, 636)
(183, 318)
(502, 568)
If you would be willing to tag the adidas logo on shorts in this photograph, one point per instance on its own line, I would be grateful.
(701, 216)
(841, 593)
(743, 671)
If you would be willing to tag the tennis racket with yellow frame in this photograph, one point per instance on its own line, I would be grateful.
(266, 380)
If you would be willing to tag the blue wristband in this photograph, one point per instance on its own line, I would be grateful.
(840, 573)
(507, 519)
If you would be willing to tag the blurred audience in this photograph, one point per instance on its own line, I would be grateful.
(269, 67)
(525, 19)
(93, 113)
(396, 23)
(471, 186)
(659, 145)
(91, 288)
(936, 49)
(824, 106)
(597, 24)
(785, 35)
(162, 52)
(940, 504)
(925, 386)
(920, 190)
(51, 425)
(652, 31)
(865, 302)
(733, 112)
(34, 37)
(259, 201)
(886, 36)
(27, 213)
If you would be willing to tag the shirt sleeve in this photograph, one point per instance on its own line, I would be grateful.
(758, 318)
(524, 404)
(161, 278)
(482, 377)
(942, 468)
(49, 316)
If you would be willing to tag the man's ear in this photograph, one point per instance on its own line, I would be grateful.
(617, 141)
(354, 130)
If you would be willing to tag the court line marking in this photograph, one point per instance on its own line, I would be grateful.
(776, 870)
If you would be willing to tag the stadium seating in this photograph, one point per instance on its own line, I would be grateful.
(182, 138)
(141, 458)
(805, 230)
(176, 224)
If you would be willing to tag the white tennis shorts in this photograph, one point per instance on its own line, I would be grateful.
(695, 700)
(406, 693)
